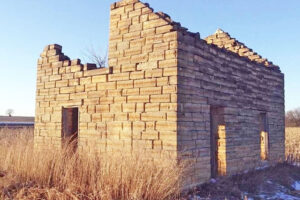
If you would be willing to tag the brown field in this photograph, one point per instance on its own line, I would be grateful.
(29, 174)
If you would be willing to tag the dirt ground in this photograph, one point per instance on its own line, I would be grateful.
(278, 182)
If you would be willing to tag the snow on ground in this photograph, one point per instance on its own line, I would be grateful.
(279, 195)
(280, 182)
(296, 185)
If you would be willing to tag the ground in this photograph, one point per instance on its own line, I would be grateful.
(276, 182)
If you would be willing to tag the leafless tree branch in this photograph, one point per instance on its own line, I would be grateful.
(9, 112)
(292, 118)
(93, 56)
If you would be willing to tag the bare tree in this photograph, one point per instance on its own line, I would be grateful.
(9, 112)
(292, 118)
(94, 56)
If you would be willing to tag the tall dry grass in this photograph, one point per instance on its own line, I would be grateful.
(52, 174)
(292, 152)
(292, 145)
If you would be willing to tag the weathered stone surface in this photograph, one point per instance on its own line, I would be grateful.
(159, 92)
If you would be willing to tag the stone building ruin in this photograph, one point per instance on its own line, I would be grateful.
(165, 90)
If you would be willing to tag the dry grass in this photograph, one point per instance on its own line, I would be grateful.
(293, 153)
(292, 144)
(29, 174)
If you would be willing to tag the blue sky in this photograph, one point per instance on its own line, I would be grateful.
(271, 28)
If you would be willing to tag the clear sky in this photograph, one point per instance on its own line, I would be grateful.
(270, 27)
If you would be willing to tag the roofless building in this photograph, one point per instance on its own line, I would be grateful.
(168, 91)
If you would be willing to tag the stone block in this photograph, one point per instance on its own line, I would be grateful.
(128, 68)
(95, 94)
(150, 135)
(79, 95)
(106, 86)
(90, 87)
(125, 84)
(55, 77)
(152, 107)
(85, 117)
(167, 63)
(158, 55)
(120, 99)
(128, 107)
(91, 101)
(154, 23)
(150, 90)
(74, 82)
(102, 108)
(147, 65)
(138, 126)
(162, 81)
(139, 58)
(137, 75)
(169, 89)
(160, 98)
(84, 81)
(153, 73)
(67, 90)
(106, 100)
(115, 108)
(131, 92)
(145, 83)
(134, 116)
(153, 116)
(107, 117)
(50, 85)
(67, 76)
(76, 68)
(118, 77)
(99, 79)
(138, 99)
(166, 125)
(97, 117)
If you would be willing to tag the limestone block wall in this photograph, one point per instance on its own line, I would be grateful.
(213, 77)
(129, 105)
(143, 46)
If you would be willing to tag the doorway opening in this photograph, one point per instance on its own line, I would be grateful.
(217, 141)
(70, 128)
(264, 136)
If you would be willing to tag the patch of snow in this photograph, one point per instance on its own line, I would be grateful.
(213, 180)
(197, 197)
(263, 166)
(296, 185)
(279, 195)
(245, 196)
